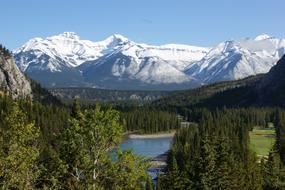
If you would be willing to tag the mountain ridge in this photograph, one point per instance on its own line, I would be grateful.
(67, 61)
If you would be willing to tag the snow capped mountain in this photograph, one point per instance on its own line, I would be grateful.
(148, 64)
(117, 62)
(52, 61)
(72, 51)
(64, 50)
(233, 60)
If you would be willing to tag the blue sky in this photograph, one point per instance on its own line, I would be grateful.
(194, 22)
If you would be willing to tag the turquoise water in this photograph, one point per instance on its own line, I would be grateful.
(147, 147)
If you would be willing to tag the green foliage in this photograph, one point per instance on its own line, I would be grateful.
(85, 147)
(128, 172)
(18, 150)
(85, 144)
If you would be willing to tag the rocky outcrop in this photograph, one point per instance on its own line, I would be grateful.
(12, 80)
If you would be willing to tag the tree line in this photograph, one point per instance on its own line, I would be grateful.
(148, 121)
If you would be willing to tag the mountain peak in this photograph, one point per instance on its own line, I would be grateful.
(262, 37)
(71, 35)
(117, 38)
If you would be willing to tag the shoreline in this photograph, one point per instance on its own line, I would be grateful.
(151, 136)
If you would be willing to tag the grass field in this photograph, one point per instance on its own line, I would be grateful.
(262, 140)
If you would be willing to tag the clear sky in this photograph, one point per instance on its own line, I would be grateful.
(193, 22)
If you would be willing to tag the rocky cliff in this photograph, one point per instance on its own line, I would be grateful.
(12, 80)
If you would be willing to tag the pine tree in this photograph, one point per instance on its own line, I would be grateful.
(222, 171)
(207, 165)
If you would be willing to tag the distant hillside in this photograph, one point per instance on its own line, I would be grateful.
(218, 94)
(259, 91)
(96, 94)
(271, 90)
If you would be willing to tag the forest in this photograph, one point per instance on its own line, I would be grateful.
(215, 152)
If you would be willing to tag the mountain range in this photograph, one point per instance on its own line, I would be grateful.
(66, 60)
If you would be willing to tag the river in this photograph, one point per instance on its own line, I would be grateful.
(151, 147)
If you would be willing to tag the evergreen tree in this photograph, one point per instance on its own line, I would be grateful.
(223, 169)
(207, 165)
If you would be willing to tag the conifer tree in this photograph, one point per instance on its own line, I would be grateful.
(222, 171)
(207, 165)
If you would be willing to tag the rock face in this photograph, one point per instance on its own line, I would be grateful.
(12, 80)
